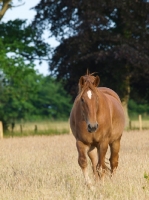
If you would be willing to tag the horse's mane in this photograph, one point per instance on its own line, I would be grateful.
(88, 84)
(88, 78)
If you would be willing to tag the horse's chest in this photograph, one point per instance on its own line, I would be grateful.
(91, 138)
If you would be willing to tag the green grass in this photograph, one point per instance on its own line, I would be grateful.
(38, 128)
(32, 133)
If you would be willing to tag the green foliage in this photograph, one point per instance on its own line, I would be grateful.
(51, 99)
(17, 86)
(32, 96)
(19, 47)
(108, 37)
(135, 108)
(24, 93)
(20, 40)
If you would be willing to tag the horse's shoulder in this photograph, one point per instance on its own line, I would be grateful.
(108, 91)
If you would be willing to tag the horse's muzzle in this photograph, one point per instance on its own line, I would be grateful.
(92, 127)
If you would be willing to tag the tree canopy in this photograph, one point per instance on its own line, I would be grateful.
(110, 37)
(25, 94)
(19, 39)
(51, 99)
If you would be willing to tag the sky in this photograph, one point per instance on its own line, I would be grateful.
(25, 12)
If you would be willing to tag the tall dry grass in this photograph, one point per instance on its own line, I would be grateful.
(135, 124)
(46, 168)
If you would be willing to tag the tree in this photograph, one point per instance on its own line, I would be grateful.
(5, 5)
(19, 47)
(51, 100)
(17, 87)
(26, 95)
(108, 37)
(19, 39)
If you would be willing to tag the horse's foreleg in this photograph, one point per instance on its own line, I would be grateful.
(82, 160)
(92, 153)
(101, 167)
(114, 147)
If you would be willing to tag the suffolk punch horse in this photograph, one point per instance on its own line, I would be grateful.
(96, 120)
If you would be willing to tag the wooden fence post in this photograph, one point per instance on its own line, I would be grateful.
(1, 130)
(140, 122)
(35, 129)
(21, 128)
(130, 126)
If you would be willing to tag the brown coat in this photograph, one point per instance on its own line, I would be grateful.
(96, 120)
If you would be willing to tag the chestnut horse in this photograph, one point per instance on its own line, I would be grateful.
(96, 120)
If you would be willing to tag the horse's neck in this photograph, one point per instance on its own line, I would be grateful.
(102, 101)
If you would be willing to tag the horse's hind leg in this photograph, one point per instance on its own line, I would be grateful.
(82, 160)
(92, 153)
(114, 147)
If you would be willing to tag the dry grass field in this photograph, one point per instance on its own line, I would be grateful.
(46, 168)
(135, 124)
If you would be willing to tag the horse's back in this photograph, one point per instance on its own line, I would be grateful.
(108, 91)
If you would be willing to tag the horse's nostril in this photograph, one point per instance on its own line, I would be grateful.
(92, 127)
(89, 126)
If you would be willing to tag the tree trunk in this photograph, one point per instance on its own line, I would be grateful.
(5, 7)
(125, 107)
(6, 4)
(125, 100)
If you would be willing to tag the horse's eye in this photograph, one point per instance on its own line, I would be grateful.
(82, 100)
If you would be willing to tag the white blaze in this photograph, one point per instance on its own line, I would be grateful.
(89, 94)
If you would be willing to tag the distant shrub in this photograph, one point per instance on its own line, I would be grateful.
(137, 108)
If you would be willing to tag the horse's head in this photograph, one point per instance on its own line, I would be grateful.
(89, 100)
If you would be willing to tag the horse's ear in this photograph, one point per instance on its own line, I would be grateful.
(81, 81)
(96, 81)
